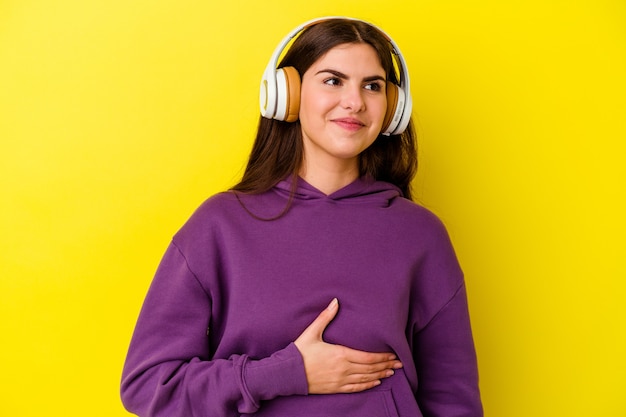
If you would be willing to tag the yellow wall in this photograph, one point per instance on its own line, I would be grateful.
(117, 118)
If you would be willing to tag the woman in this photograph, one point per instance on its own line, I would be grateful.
(314, 287)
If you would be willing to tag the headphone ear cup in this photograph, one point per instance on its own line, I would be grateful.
(267, 97)
(293, 88)
(287, 94)
(392, 104)
(396, 117)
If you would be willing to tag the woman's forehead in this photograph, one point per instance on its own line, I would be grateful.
(351, 56)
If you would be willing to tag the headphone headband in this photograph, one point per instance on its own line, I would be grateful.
(274, 104)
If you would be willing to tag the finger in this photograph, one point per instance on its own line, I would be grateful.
(358, 387)
(317, 327)
(378, 370)
(363, 357)
(366, 380)
(368, 377)
(320, 323)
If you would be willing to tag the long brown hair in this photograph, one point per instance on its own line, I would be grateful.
(278, 149)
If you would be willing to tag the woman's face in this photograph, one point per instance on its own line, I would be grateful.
(343, 103)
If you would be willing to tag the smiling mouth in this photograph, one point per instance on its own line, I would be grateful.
(349, 123)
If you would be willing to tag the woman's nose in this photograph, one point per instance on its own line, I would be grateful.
(352, 98)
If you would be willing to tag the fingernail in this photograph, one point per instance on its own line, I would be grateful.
(397, 365)
(392, 357)
(390, 372)
(333, 304)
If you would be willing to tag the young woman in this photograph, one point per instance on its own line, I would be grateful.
(314, 287)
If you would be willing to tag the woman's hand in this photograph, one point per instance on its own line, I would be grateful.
(334, 369)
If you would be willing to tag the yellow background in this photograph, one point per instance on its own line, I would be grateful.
(117, 118)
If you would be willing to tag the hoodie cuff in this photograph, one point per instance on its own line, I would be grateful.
(282, 374)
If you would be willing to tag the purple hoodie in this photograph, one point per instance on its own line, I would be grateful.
(233, 291)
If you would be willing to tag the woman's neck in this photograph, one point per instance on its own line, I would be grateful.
(329, 179)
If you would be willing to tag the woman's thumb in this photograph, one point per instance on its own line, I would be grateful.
(316, 329)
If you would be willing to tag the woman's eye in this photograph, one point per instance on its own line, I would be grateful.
(374, 86)
(332, 81)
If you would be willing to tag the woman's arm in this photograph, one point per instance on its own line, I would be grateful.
(445, 360)
(443, 345)
(169, 372)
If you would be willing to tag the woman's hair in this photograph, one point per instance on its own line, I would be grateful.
(278, 149)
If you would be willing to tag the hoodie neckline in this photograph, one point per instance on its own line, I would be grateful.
(361, 190)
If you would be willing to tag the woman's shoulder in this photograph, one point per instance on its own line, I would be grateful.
(214, 206)
(209, 215)
(416, 211)
(418, 219)
(216, 203)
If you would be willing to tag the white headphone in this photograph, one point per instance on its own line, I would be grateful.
(280, 88)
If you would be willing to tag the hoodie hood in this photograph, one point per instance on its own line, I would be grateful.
(364, 190)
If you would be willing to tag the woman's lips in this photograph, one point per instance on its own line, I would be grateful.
(349, 123)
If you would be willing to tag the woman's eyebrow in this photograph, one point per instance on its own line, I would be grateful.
(343, 76)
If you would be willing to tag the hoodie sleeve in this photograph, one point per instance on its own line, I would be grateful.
(168, 369)
(443, 346)
(446, 363)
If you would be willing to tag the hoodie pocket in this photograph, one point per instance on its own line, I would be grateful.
(390, 404)
(393, 398)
